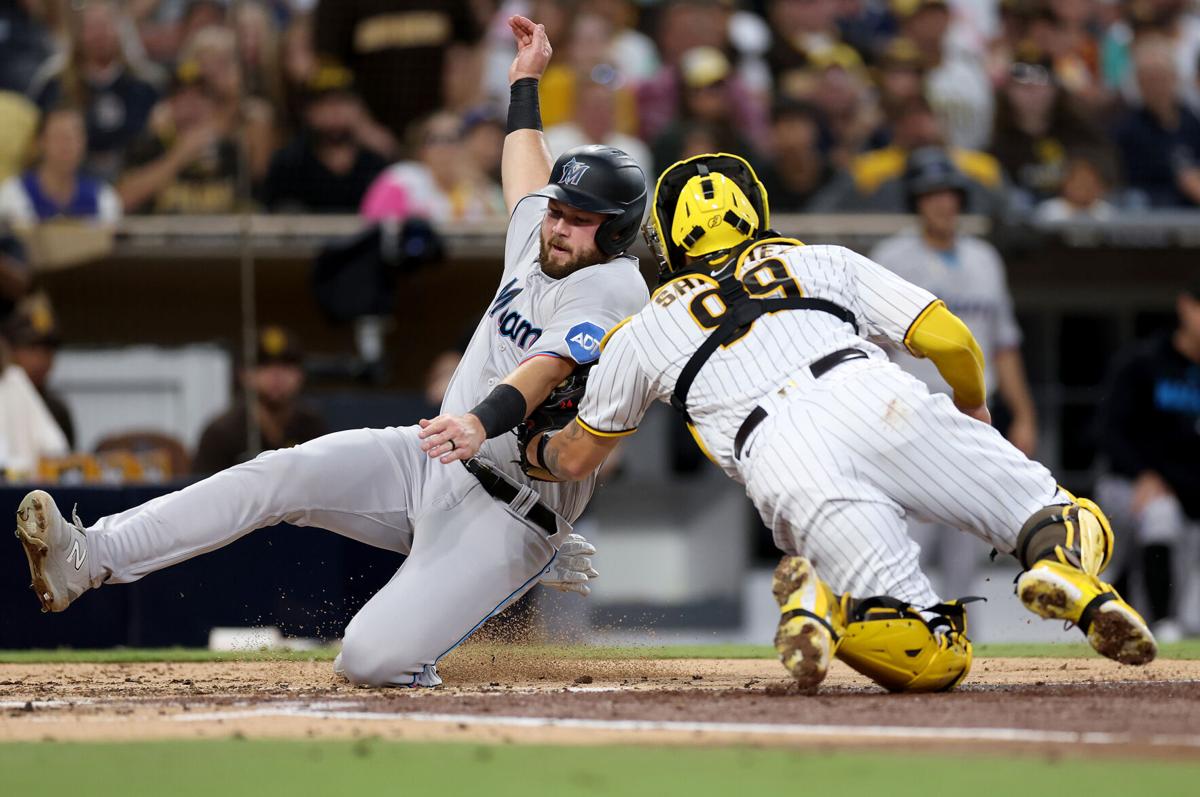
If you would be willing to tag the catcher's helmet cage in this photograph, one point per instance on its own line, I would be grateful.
(931, 169)
(601, 179)
(667, 192)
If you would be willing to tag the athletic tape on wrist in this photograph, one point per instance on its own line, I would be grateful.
(524, 113)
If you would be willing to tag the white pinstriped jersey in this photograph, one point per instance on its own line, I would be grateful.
(643, 359)
(536, 315)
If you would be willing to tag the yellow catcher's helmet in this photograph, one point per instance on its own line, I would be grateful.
(712, 215)
(702, 207)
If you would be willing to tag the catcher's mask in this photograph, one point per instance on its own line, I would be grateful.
(605, 180)
(704, 207)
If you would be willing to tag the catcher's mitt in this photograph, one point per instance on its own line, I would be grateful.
(558, 410)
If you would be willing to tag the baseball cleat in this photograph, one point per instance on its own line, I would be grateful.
(810, 621)
(1061, 592)
(57, 551)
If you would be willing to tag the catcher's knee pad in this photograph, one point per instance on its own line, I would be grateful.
(891, 643)
(811, 620)
(1076, 534)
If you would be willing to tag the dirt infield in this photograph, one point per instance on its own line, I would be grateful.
(1074, 706)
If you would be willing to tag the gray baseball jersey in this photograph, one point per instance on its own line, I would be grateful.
(533, 315)
(970, 280)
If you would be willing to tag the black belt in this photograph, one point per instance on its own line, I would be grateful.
(818, 369)
(495, 486)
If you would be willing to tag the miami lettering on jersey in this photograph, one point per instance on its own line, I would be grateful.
(583, 340)
(512, 324)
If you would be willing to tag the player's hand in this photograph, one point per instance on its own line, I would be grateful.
(979, 413)
(452, 437)
(533, 49)
(572, 568)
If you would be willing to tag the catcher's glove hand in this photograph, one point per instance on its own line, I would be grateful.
(558, 410)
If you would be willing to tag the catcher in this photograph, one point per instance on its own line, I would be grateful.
(774, 353)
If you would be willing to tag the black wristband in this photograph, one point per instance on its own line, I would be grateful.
(503, 409)
(541, 453)
(523, 110)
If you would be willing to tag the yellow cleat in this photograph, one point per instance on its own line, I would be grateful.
(810, 623)
(1058, 591)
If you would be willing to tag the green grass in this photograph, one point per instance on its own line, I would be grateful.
(369, 766)
(1180, 650)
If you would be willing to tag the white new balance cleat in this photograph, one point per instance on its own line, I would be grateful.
(57, 551)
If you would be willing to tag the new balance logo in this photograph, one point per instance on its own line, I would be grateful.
(572, 172)
(77, 555)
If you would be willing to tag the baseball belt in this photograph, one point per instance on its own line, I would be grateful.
(818, 369)
(522, 500)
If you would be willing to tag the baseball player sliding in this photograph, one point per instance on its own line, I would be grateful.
(773, 351)
(476, 538)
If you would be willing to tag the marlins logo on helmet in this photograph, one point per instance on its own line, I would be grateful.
(572, 172)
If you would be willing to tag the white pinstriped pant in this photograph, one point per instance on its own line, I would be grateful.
(843, 460)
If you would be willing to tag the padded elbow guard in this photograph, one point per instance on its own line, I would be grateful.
(941, 336)
(1076, 534)
(889, 641)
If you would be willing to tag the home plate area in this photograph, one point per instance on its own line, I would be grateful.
(1048, 706)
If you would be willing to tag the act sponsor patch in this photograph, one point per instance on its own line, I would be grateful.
(583, 340)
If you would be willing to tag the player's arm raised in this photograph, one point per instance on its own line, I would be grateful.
(454, 437)
(525, 162)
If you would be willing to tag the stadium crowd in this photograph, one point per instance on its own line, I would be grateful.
(1057, 108)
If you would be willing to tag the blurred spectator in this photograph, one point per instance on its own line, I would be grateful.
(55, 187)
(874, 182)
(1159, 140)
(956, 84)
(283, 421)
(706, 102)
(866, 26)
(967, 273)
(190, 165)
(95, 75)
(1081, 197)
(19, 121)
(34, 340)
(899, 81)
(1150, 434)
(595, 122)
(589, 58)
(25, 44)
(840, 90)
(483, 138)
(259, 51)
(15, 277)
(251, 120)
(298, 62)
(802, 30)
(325, 169)
(1036, 124)
(442, 185)
(633, 50)
(798, 169)
(686, 25)
(397, 50)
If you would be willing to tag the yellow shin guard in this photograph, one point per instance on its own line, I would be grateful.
(889, 641)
